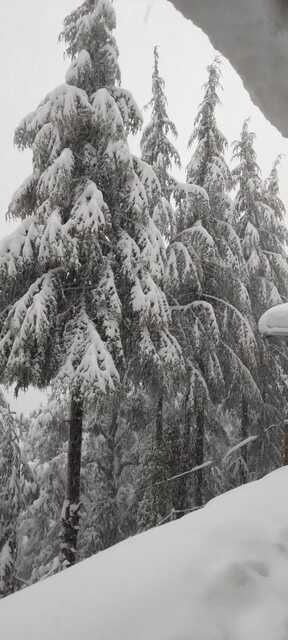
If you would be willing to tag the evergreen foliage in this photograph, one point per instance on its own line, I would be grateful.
(81, 277)
(137, 298)
(206, 279)
(159, 152)
(260, 224)
(10, 498)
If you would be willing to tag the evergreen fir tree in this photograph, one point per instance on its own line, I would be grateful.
(260, 222)
(44, 445)
(207, 167)
(159, 459)
(159, 152)
(108, 499)
(10, 498)
(80, 277)
(259, 217)
(206, 280)
(156, 445)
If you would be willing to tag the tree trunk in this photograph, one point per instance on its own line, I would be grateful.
(285, 444)
(244, 435)
(71, 507)
(161, 462)
(182, 502)
(159, 421)
(112, 528)
(199, 455)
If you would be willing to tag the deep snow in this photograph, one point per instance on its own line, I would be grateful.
(218, 574)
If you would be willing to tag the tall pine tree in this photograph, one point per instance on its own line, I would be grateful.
(260, 223)
(10, 498)
(207, 277)
(80, 277)
(157, 459)
(159, 152)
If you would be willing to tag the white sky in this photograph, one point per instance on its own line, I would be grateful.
(33, 64)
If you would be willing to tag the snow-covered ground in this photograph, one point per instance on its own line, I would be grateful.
(218, 574)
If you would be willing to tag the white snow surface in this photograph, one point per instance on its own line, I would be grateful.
(217, 574)
(274, 322)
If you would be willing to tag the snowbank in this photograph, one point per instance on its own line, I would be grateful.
(274, 322)
(218, 574)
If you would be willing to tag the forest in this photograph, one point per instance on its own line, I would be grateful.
(134, 300)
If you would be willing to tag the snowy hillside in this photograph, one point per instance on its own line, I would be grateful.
(218, 574)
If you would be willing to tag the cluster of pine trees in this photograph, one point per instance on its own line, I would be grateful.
(134, 299)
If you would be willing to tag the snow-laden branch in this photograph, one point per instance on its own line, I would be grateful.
(208, 463)
(213, 463)
(234, 310)
(239, 445)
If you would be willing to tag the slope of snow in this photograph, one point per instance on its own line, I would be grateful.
(274, 322)
(218, 574)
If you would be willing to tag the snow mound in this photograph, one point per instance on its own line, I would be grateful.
(218, 574)
(274, 322)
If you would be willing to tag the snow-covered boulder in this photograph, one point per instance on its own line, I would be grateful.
(218, 574)
(274, 322)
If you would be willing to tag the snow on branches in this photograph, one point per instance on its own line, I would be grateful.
(23, 201)
(130, 112)
(89, 292)
(89, 213)
(17, 250)
(10, 497)
(87, 366)
(67, 108)
(55, 183)
(27, 333)
(89, 29)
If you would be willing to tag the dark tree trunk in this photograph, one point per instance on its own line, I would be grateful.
(244, 435)
(71, 507)
(182, 502)
(285, 444)
(160, 461)
(159, 421)
(112, 531)
(199, 455)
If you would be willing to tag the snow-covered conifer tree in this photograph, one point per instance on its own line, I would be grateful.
(207, 166)
(80, 277)
(160, 153)
(260, 223)
(10, 498)
(107, 499)
(206, 277)
(44, 446)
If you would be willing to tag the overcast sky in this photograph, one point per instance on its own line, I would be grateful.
(32, 64)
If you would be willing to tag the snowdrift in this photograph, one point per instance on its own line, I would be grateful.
(218, 574)
(274, 321)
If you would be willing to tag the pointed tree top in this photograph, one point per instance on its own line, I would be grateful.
(272, 184)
